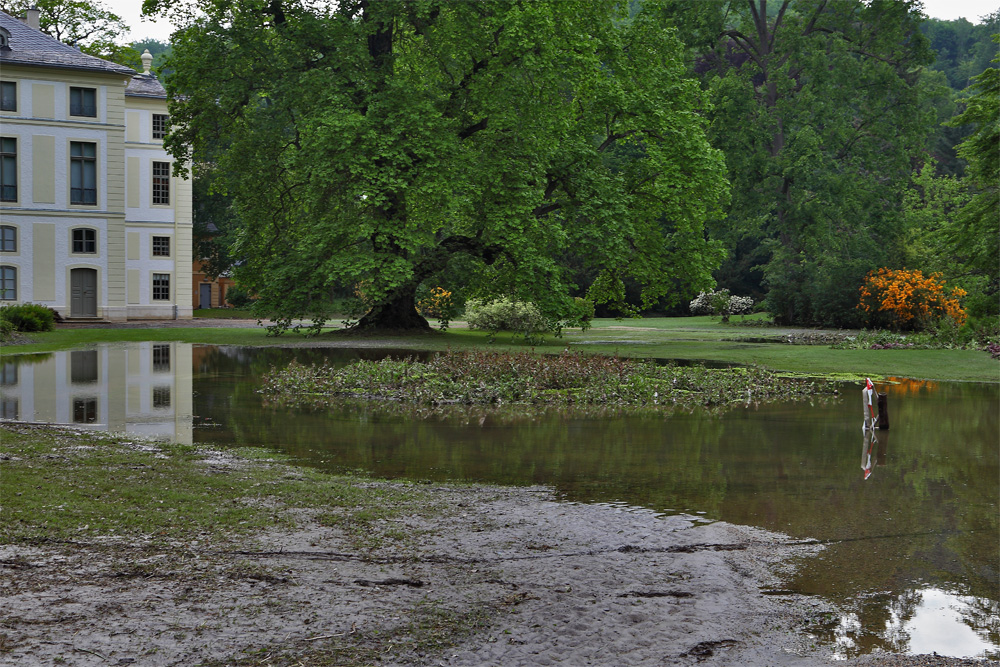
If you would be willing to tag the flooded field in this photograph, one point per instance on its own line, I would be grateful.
(909, 516)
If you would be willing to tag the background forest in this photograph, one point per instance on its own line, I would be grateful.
(855, 136)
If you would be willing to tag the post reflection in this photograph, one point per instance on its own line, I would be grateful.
(873, 450)
(144, 389)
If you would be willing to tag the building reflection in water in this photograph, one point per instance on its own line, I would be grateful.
(144, 389)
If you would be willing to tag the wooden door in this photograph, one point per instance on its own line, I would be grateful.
(83, 293)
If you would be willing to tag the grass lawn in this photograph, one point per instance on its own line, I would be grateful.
(698, 338)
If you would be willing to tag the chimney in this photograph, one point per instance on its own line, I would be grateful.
(147, 61)
(31, 15)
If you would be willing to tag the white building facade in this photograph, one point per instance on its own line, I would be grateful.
(92, 221)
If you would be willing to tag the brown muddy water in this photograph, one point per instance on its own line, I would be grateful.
(910, 517)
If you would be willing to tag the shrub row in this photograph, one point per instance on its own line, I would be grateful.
(26, 317)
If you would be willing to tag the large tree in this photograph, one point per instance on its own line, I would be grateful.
(819, 109)
(393, 143)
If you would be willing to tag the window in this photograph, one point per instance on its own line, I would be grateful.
(8, 283)
(161, 358)
(161, 182)
(84, 241)
(8, 408)
(161, 286)
(161, 246)
(83, 172)
(8, 96)
(8, 238)
(161, 124)
(83, 102)
(8, 169)
(161, 397)
(84, 410)
(8, 374)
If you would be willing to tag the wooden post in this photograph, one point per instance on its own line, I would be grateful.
(883, 412)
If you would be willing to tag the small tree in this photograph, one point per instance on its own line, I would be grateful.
(721, 303)
(901, 299)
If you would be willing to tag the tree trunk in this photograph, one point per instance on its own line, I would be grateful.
(397, 313)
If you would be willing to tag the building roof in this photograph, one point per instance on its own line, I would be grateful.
(145, 85)
(31, 47)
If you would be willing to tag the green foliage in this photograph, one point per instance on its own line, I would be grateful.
(819, 108)
(503, 378)
(398, 143)
(962, 50)
(28, 317)
(976, 234)
(237, 297)
(160, 52)
(505, 314)
(974, 334)
(7, 329)
(581, 313)
(930, 206)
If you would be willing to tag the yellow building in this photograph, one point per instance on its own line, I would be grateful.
(92, 222)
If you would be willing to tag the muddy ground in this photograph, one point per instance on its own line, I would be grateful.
(502, 576)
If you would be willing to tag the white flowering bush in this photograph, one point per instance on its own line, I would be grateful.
(722, 303)
(505, 314)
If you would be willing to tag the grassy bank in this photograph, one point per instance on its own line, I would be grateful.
(179, 551)
(685, 338)
(63, 485)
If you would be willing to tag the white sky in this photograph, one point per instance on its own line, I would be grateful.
(948, 10)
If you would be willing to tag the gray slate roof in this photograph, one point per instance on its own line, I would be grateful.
(145, 85)
(34, 48)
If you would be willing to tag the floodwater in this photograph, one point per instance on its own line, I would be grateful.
(909, 515)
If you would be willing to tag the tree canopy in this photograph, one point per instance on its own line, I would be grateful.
(408, 142)
(976, 236)
(819, 108)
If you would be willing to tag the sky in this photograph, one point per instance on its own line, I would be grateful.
(948, 10)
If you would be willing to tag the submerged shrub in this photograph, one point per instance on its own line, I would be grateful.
(29, 317)
(501, 379)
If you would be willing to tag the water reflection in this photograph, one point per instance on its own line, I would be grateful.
(915, 537)
(921, 621)
(874, 445)
(142, 389)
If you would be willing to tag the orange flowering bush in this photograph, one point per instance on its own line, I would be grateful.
(362, 293)
(905, 299)
(437, 304)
